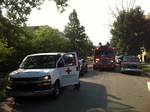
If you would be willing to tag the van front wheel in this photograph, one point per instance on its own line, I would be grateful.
(56, 91)
(77, 86)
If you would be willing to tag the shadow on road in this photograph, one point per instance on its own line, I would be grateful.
(114, 104)
(136, 74)
(89, 97)
(90, 73)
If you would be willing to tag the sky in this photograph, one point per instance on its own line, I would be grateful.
(94, 15)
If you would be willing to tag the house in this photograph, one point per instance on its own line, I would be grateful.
(144, 56)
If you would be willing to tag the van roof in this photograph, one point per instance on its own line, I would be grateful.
(38, 54)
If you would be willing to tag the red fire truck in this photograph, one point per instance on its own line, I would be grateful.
(104, 58)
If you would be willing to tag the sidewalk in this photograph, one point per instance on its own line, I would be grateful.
(146, 68)
(147, 73)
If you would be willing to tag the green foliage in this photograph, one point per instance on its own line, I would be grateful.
(16, 41)
(49, 40)
(17, 48)
(77, 36)
(17, 10)
(146, 68)
(3, 82)
(4, 51)
(61, 4)
(146, 40)
(128, 31)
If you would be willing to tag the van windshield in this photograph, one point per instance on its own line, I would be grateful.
(130, 59)
(39, 62)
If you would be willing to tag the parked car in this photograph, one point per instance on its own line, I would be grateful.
(44, 73)
(130, 64)
(83, 67)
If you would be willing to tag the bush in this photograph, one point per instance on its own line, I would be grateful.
(3, 82)
(146, 67)
(90, 59)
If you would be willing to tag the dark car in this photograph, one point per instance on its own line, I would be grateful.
(130, 64)
(83, 67)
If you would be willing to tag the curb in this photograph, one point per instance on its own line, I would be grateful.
(6, 106)
(146, 74)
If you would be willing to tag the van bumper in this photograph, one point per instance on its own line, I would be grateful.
(104, 66)
(30, 93)
(30, 89)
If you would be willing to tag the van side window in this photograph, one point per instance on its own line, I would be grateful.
(60, 63)
(69, 60)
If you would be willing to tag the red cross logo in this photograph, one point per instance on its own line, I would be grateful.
(68, 71)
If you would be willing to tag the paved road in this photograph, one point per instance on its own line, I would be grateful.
(100, 92)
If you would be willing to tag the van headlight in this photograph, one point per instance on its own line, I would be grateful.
(45, 78)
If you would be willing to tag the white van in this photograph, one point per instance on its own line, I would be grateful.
(44, 73)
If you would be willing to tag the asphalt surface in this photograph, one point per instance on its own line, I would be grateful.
(100, 92)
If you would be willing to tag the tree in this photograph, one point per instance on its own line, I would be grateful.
(17, 10)
(146, 41)
(128, 31)
(48, 39)
(13, 14)
(76, 34)
(4, 51)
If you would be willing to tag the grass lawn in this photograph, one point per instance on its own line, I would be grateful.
(146, 67)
